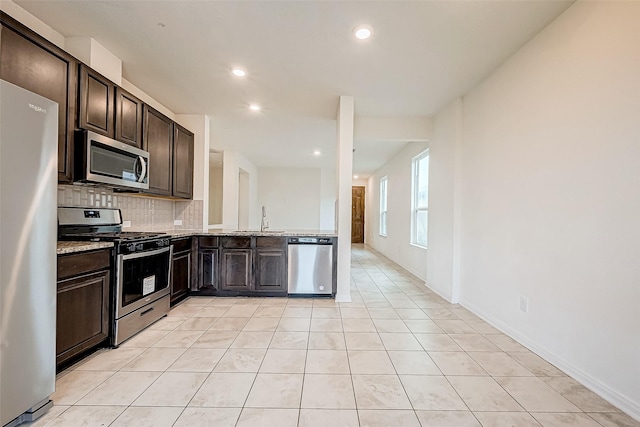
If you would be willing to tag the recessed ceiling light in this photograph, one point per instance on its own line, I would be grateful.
(355, 176)
(254, 107)
(363, 32)
(238, 72)
(317, 153)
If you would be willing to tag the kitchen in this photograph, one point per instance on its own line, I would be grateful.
(254, 218)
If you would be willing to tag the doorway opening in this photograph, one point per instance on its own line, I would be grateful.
(357, 214)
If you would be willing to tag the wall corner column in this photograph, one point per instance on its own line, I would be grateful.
(346, 111)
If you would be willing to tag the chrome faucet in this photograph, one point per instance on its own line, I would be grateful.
(264, 224)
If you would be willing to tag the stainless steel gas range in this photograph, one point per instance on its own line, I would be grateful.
(140, 292)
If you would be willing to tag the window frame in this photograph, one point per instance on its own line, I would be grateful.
(415, 209)
(384, 197)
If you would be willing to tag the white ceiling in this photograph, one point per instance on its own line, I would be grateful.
(300, 57)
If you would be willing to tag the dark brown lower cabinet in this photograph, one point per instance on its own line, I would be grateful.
(82, 303)
(236, 270)
(207, 266)
(180, 269)
(270, 269)
(241, 265)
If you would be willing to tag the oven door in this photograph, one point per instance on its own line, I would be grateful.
(142, 278)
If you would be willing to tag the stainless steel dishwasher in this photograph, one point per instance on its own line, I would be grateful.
(311, 269)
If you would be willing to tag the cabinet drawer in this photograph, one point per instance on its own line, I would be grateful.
(83, 262)
(236, 242)
(181, 245)
(271, 242)
(208, 242)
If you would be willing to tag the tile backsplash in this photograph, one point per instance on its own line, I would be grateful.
(144, 213)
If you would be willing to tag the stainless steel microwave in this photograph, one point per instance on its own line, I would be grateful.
(102, 160)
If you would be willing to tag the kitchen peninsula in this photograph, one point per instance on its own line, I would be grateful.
(218, 262)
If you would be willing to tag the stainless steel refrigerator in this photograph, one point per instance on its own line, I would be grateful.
(28, 228)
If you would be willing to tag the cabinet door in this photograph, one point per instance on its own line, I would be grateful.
(29, 61)
(158, 141)
(270, 271)
(182, 162)
(82, 314)
(180, 276)
(236, 270)
(208, 270)
(128, 118)
(96, 102)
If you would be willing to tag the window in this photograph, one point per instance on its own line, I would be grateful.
(383, 206)
(420, 211)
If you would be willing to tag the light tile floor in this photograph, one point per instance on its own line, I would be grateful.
(397, 355)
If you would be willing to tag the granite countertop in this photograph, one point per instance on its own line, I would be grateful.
(69, 247)
(223, 232)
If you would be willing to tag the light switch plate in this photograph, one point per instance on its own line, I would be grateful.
(177, 222)
(126, 224)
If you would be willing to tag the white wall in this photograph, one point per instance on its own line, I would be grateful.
(444, 202)
(396, 245)
(392, 128)
(297, 198)
(243, 200)
(549, 195)
(96, 56)
(233, 162)
(328, 186)
(215, 194)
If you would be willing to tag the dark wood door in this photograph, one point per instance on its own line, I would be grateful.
(180, 276)
(29, 61)
(236, 270)
(96, 109)
(158, 141)
(128, 118)
(270, 271)
(357, 214)
(182, 162)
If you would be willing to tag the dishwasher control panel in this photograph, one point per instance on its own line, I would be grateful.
(310, 240)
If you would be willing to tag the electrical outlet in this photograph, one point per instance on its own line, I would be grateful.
(126, 224)
(524, 304)
(177, 222)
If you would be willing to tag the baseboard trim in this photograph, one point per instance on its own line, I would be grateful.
(617, 399)
(397, 262)
(437, 292)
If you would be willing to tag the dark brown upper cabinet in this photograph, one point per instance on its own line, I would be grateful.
(31, 62)
(128, 118)
(157, 139)
(170, 148)
(96, 99)
(182, 162)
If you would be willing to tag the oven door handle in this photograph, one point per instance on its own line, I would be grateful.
(146, 253)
